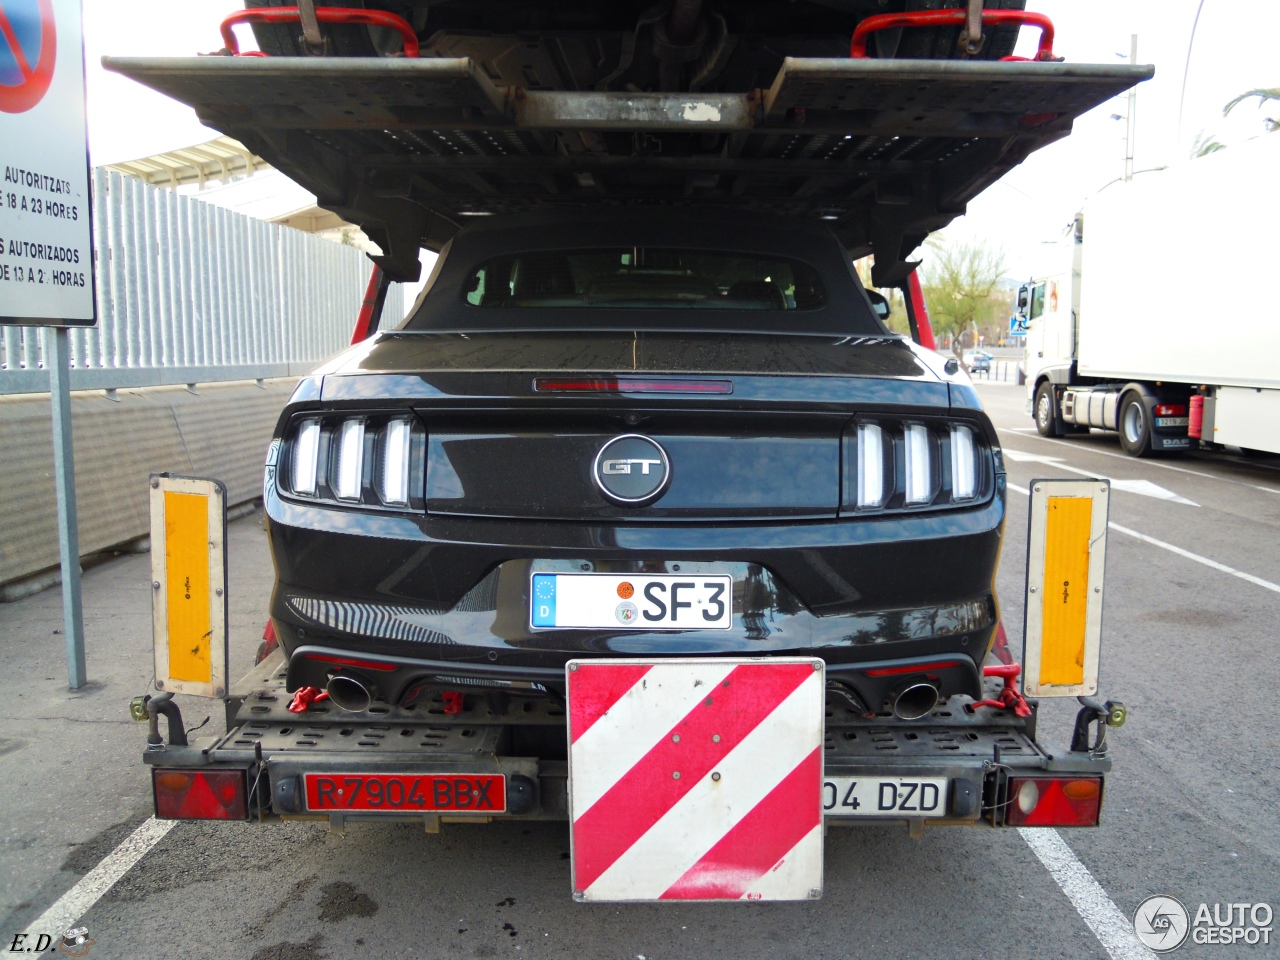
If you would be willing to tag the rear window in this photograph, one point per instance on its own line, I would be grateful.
(639, 277)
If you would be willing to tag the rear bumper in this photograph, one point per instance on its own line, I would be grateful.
(427, 594)
(524, 741)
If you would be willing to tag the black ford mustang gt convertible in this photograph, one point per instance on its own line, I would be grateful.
(635, 432)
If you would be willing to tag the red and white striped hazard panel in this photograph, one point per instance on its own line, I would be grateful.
(696, 779)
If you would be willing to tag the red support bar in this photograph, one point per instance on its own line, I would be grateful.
(364, 322)
(920, 312)
(344, 15)
(952, 18)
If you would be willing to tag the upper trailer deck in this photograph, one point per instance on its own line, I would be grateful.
(886, 150)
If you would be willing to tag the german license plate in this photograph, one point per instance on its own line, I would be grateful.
(607, 601)
(885, 797)
(410, 792)
(1171, 421)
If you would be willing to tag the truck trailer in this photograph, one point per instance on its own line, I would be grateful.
(1124, 335)
(642, 519)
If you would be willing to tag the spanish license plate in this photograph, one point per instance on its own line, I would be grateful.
(1171, 421)
(608, 601)
(408, 792)
(885, 796)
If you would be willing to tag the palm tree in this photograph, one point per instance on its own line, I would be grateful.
(1205, 144)
(1263, 94)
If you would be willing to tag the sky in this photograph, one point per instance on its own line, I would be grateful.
(1234, 51)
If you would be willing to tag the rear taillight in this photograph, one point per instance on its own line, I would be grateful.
(350, 467)
(1171, 409)
(1053, 801)
(200, 794)
(964, 464)
(918, 464)
(306, 457)
(871, 456)
(892, 464)
(393, 479)
(372, 459)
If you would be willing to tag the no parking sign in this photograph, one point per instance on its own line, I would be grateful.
(46, 254)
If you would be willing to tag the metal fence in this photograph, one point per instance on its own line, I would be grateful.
(1003, 370)
(188, 293)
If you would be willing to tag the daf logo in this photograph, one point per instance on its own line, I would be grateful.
(632, 470)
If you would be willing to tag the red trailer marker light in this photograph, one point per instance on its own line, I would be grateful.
(1171, 409)
(1054, 802)
(200, 794)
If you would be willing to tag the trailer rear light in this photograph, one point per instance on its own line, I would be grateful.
(347, 479)
(871, 490)
(393, 481)
(631, 385)
(1054, 801)
(306, 458)
(1171, 409)
(200, 794)
(919, 472)
(964, 464)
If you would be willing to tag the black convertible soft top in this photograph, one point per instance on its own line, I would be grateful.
(844, 311)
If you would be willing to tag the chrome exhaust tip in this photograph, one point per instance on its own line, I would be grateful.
(916, 701)
(349, 693)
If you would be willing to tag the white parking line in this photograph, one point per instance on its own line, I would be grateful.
(1258, 581)
(1033, 434)
(75, 903)
(1221, 567)
(1112, 928)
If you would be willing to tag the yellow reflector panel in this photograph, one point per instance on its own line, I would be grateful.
(186, 546)
(1068, 524)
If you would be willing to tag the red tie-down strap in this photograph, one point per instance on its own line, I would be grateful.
(305, 697)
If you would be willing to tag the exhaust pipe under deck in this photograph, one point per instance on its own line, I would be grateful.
(915, 701)
(349, 693)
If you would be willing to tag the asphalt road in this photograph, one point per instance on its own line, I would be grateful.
(1191, 808)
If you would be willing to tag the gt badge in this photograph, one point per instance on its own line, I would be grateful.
(632, 470)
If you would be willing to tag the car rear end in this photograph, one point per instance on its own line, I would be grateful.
(713, 454)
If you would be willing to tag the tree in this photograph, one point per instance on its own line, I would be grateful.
(1263, 94)
(1205, 144)
(960, 280)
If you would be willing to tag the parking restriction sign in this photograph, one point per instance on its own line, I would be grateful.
(46, 253)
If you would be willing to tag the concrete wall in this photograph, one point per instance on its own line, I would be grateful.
(220, 431)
